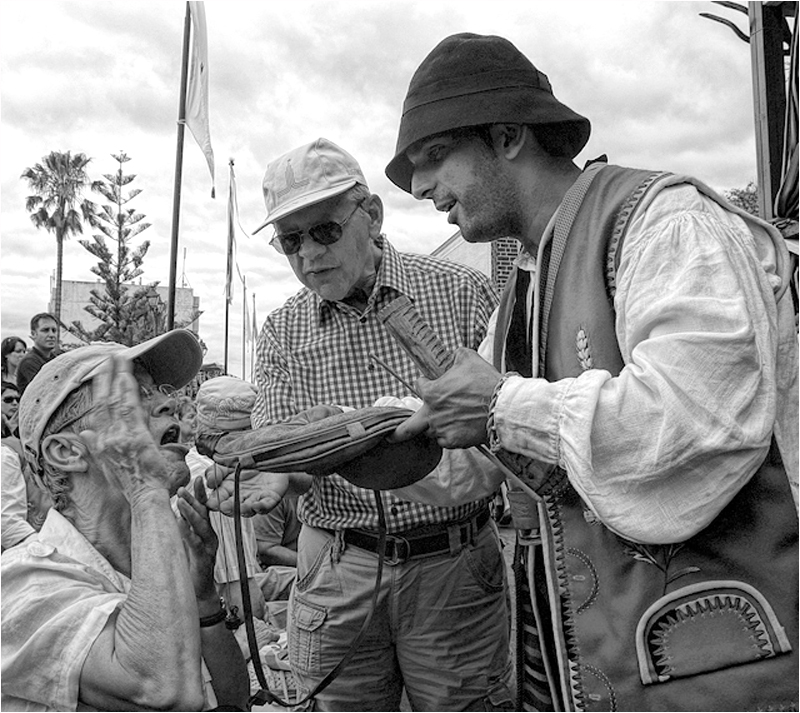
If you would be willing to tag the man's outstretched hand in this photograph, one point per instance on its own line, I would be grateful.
(456, 404)
(259, 492)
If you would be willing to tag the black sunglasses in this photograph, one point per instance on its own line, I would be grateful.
(10, 399)
(326, 233)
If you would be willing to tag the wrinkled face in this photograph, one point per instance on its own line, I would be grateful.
(15, 357)
(464, 178)
(160, 407)
(332, 271)
(45, 336)
(10, 403)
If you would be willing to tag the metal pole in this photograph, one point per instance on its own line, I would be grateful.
(227, 322)
(244, 324)
(176, 195)
(253, 344)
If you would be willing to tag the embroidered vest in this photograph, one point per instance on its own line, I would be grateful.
(707, 624)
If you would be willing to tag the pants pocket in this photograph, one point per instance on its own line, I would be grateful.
(304, 636)
(485, 562)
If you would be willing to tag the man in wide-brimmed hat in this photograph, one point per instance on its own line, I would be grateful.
(643, 372)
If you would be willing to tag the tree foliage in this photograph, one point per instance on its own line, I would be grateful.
(57, 204)
(745, 198)
(122, 314)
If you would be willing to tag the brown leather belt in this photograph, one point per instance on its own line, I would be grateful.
(423, 541)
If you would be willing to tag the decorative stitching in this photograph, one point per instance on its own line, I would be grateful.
(554, 515)
(621, 224)
(593, 594)
(582, 350)
(491, 426)
(660, 556)
(659, 640)
(597, 673)
(665, 631)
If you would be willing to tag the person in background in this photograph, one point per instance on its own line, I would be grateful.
(23, 503)
(44, 333)
(222, 404)
(131, 619)
(641, 377)
(277, 532)
(14, 524)
(9, 407)
(12, 351)
(440, 627)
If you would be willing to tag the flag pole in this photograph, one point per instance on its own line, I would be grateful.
(229, 266)
(176, 195)
(244, 325)
(227, 321)
(253, 343)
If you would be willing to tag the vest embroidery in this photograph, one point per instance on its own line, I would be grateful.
(583, 351)
(660, 556)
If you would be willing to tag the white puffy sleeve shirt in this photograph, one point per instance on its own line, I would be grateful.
(710, 363)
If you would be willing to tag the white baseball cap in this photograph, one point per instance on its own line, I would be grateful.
(307, 175)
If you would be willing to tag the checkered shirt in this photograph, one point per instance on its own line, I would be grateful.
(312, 351)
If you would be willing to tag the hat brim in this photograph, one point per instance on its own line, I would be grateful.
(172, 358)
(519, 105)
(393, 465)
(305, 201)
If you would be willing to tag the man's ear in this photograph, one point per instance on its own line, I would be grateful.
(65, 452)
(508, 139)
(374, 206)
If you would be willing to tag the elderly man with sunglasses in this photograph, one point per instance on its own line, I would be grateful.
(440, 626)
(112, 605)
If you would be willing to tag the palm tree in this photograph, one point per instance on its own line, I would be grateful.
(58, 184)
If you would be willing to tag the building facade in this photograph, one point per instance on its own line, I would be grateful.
(76, 295)
(495, 259)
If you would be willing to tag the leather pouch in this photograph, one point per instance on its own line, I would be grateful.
(351, 444)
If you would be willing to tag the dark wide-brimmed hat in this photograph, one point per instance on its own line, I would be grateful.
(470, 80)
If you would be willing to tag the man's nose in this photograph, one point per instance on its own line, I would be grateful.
(167, 407)
(422, 184)
(310, 248)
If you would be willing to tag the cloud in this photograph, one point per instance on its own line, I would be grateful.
(663, 87)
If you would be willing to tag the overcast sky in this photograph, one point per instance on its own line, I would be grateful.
(663, 87)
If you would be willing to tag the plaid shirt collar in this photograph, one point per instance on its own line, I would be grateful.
(390, 282)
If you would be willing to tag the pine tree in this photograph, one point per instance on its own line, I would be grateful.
(125, 317)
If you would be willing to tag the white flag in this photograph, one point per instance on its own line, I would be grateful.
(197, 87)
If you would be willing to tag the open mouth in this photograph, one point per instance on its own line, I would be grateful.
(171, 435)
(170, 441)
(447, 208)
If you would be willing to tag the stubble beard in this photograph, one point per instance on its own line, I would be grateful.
(491, 207)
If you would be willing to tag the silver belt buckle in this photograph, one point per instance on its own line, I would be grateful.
(398, 550)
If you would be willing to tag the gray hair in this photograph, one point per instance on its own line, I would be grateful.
(72, 416)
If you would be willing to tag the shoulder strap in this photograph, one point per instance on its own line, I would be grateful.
(564, 220)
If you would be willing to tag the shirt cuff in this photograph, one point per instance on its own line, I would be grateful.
(524, 417)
